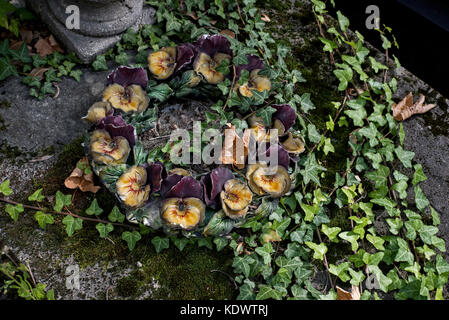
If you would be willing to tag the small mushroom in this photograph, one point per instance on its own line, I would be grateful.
(98, 111)
(265, 180)
(258, 130)
(293, 143)
(132, 187)
(235, 198)
(131, 98)
(162, 63)
(205, 66)
(107, 150)
(184, 214)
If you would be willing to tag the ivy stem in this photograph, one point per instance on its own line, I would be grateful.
(68, 213)
(325, 261)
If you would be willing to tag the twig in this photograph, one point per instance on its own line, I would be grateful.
(69, 214)
(229, 276)
(231, 89)
(31, 273)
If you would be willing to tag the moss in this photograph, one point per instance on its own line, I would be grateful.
(178, 275)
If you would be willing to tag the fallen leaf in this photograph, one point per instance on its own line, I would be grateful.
(54, 44)
(26, 35)
(265, 18)
(79, 179)
(235, 149)
(38, 72)
(345, 295)
(406, 108)
(229, 33)
(43, 47)
(43, 158)
(193, 15)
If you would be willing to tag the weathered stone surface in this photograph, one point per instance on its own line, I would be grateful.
(97, 38)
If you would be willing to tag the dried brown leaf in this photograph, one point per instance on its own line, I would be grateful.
(235, 149)
(229, 33)
(406, 108)
(265, 18)
(26, 35)
(78, 179)
(43, 47)
(38, 72)
(346, 295)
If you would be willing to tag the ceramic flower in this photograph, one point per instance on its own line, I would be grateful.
(107, 150)
(132, 187)
(235, 198)
(182, 207)
(98, 111)
(126, 89)
(213, 184)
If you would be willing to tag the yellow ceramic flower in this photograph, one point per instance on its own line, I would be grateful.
(183, 213)
(132, 188)
(235, 198)
(105, 150)
(130, 99)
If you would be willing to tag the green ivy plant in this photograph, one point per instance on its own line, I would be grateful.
(279, 250)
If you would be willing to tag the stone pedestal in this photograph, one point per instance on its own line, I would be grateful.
(102, 22)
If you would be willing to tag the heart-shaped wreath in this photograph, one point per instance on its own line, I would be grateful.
(156, 193)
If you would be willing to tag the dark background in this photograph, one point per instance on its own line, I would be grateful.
(421, 28)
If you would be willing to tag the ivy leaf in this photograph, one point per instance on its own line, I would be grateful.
(404, 156)
(14, 211)
(352, 238)
(160, 92)
(265, 114)
(377, 65)
(342, 21)
(104, 229)
(160, 243)
(37, 196)
(420, 199)
(94, 209)
(265, 252)
(341, 271)
(268, 292)
(441, 265)
(100, 63)
(4, 188)
(419, 175)
(331, 233)
(312, 170)
(21, 54)
(72, 224)
(344, 75)
(131, 238)
(246, 292)
(43, 219)
(220, 243)
(395, 225)
(376, 241)
(371, 134)
(62, 200)
(319, 250)
(313, 134)
(116, 215)
(310, 211)
(426, 233)
(7, 69)
(242, 265)
(306, 103)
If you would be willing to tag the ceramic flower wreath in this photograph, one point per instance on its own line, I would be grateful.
(174, 199)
